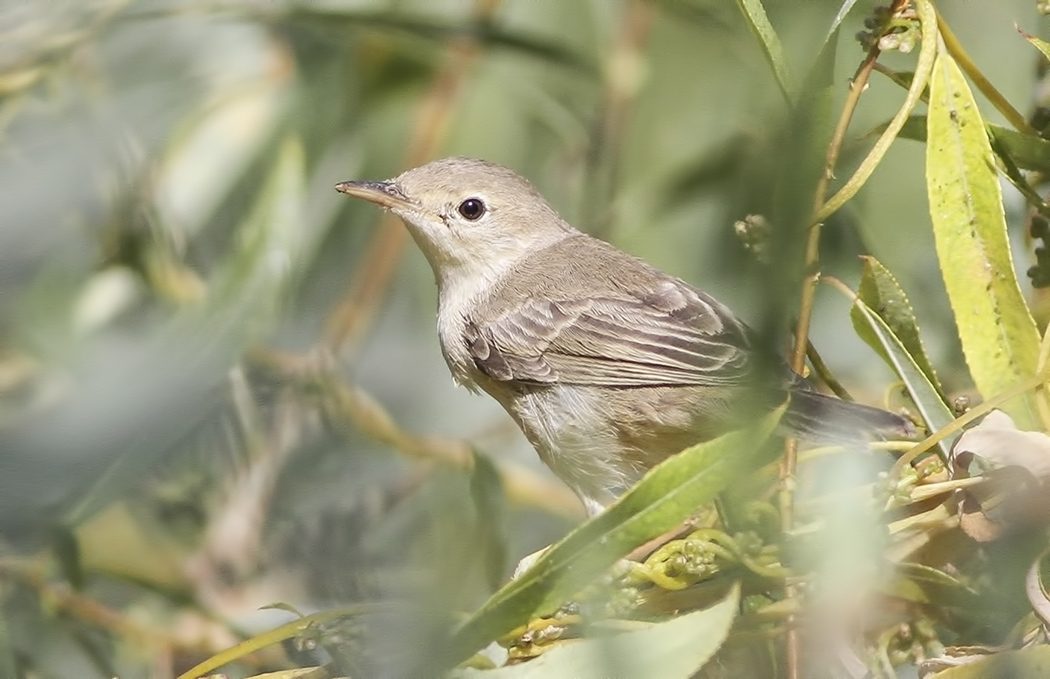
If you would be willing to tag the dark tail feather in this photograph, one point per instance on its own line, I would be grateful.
(817, 417)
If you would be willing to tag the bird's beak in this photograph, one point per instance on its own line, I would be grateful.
(386, 194)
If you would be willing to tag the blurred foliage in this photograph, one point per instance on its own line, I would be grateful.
(220, 387)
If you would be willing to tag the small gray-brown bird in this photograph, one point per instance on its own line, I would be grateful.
(608, 365)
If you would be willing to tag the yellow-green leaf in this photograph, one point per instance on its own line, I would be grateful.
(999, 336)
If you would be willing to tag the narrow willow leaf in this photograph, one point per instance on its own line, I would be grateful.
(665, 497)
(758, 22)
(999, 336)
(883, 295)
(873, 330)
(675, 649)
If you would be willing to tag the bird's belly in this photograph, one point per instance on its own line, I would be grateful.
(600, 441)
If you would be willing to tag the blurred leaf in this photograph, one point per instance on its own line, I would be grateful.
(873, 330)
(484, 33)
(757, 20)
(1026, 151)
(242, 302)
(999, 336)
(711, 172)
(675, 649)
(799, 153)
(666, 496)
(486, 489)
(1027, 662)
(882, 294)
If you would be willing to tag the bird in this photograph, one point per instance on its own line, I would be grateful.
(607, 364)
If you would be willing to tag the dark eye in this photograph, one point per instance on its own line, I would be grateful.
(472, 209)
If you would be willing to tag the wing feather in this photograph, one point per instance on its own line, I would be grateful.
(674, 335)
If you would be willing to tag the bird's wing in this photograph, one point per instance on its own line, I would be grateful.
(674, 335)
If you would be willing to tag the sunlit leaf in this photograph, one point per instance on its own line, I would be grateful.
(999, 336)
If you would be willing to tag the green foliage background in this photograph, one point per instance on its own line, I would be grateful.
(214, 392)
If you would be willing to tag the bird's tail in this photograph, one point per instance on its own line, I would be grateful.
(817, 417)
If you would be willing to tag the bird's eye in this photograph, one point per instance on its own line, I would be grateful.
(472, 209)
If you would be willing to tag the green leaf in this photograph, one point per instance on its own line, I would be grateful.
(758, 22)
(665, 497)
(1026, 152)
(873, 330)
(675, 649)
(999, 336)
(1027, 662)
(883, 295)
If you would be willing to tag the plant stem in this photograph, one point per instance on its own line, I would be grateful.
(789, 462)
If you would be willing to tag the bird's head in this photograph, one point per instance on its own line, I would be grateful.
(470, 217)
